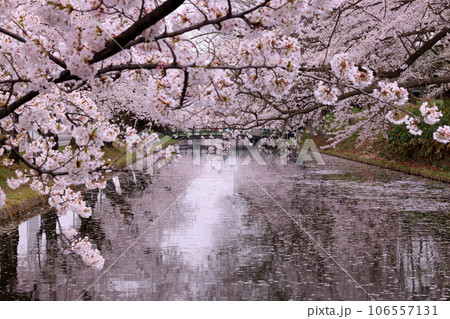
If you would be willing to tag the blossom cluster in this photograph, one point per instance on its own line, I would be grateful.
(57, 114)
(390, 116)
(325, 94)
(411, 122)
(90, 256)
(412, 126)
(431, 115)
(15, 183)
(65, 200)
(391, 93)
(343, 68)
(442, 134)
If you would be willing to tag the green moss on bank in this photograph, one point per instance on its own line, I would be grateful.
(14, 197)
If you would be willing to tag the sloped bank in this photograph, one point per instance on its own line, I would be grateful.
(26, 208)
(394, 165)
(398, 149)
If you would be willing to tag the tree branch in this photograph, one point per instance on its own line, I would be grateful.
(416, 55)
(12, 35)
(117, 44)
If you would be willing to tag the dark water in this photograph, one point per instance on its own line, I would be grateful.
(217, 235)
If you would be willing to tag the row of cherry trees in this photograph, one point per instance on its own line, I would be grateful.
(69, 67)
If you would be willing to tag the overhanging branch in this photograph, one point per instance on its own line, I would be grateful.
(117, 44)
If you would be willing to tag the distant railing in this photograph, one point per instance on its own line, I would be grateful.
(195, 133)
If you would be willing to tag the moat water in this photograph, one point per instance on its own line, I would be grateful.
(215, 231)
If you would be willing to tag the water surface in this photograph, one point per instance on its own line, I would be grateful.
(211, 232)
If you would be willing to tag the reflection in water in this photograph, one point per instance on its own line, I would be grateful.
(224, 239)
(8, 264)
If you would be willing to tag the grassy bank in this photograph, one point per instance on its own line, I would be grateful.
(405, 167)
(371, 153)
(399, 150)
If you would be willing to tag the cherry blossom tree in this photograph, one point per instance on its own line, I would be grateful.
(69, 67)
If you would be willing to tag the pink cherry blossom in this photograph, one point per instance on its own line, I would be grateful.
(442, 134)
(76, 68)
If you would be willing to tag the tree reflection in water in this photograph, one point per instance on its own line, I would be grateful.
(8, 264)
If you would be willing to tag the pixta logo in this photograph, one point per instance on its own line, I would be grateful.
(221, 150)
(150, 152)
